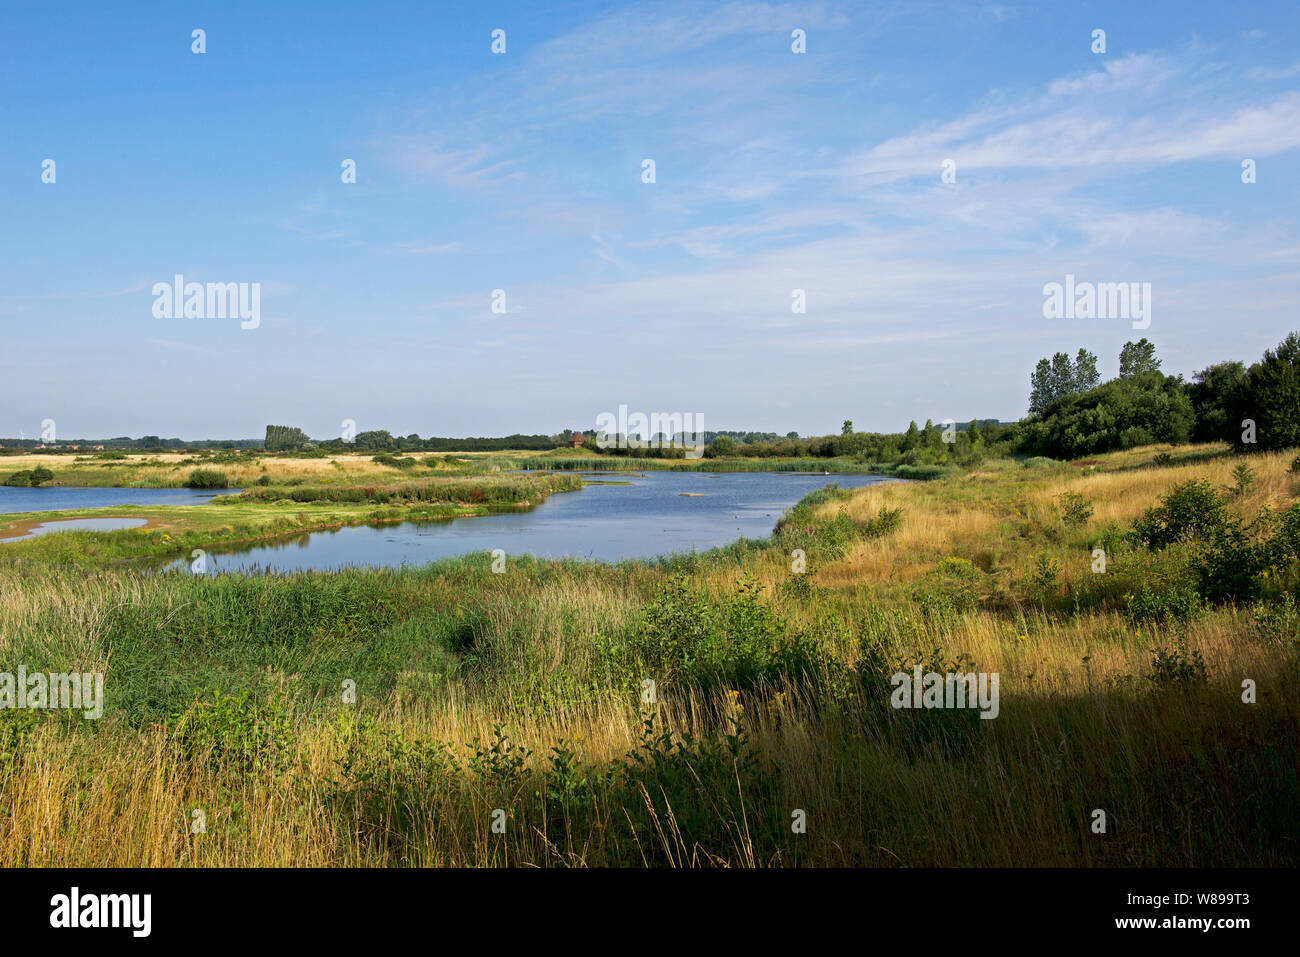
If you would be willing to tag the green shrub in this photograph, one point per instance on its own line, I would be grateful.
(16, 728)
(500, 763)
(1177, 669)
(1245, 480)
(1046, 575)
(737, 642)
(31, 479)
(950, 589)
(1165, 603)
(1280, 618)
(207, 478)
(1075, 509)
(1190, 510)
(1229, 563)
(393, 461)
(234, 731)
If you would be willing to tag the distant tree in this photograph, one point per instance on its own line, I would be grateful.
(40, 474)
(1138, 357)
(1215, 393)
(1086, 375)
(911, 437)
(1060, 376)
(847, 428)
(1051, 379)
(724, 445)
(792, 435)
(1270, 395)
(376, 440)
(284, 437)
(1120, 414)
(931, 437)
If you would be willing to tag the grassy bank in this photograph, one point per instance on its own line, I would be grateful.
(240, 469)
(523, 692)
(350, 470)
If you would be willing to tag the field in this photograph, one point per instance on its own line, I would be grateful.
(506, 719)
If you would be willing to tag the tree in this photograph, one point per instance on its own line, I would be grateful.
(911, 437)
(931, 437)
(375, 440)
(282, 437)
(1086, 375)
(1270, 396)
(1138, 357)
(724, 445)
(1050, 380)
(1215, 393)
(1120, 414)
(847, 428)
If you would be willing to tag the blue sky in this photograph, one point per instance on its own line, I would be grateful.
(775, 171)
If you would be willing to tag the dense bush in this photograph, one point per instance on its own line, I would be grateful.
(737, 641)
(235, 732)
(35, 477)
(1232, 560)
(395, 461)
(1190, 510)
(1075, 509)
(1121, 414)
(1168, 603)
(207, 478)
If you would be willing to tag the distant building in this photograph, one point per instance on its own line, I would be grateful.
(576, 441)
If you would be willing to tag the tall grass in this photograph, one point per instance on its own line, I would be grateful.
(524, 693)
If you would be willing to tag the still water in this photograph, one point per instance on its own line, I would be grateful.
(58, 497)
(656, 514)
(77, 524)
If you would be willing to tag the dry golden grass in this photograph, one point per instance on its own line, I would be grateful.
(1190, 776)
(167, 468)
(988, 516)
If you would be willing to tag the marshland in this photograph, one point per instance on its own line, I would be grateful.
(686, 710)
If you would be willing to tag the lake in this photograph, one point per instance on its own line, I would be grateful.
(657, 514)
(58, 497)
